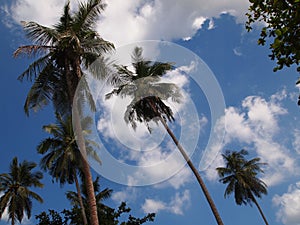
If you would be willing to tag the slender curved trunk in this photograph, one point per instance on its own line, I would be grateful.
(259, 209)
(80, 201)
(81, 144)
(196, 173)
(86, 169)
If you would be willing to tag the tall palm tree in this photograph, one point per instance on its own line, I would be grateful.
(62, 157)
(16, 184)
(241, 176)
(100, 196)
(64, 50)
(147, 104)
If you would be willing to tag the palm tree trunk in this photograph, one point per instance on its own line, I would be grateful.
(259, 209)
(81, 143)
(80, 201)
(196, 173)
(86, 170)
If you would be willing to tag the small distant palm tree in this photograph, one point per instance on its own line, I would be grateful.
(62, 157)
(241, 176)
(16, 184)
(147, 105)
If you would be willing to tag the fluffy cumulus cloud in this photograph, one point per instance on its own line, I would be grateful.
(289, 205)
(256, 125)
(123, 22)
(176, 205)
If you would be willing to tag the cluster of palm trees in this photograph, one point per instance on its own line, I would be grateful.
(65, 51)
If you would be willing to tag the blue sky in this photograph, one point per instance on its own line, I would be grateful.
(261, 113)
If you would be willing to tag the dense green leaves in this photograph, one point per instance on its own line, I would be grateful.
(62, 50)
(106, 214)
(281, 21)
(240, 175)
(15, 185)
(147, 92)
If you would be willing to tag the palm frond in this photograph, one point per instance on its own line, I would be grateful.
(39, 34)
(35, 68)
(87, 14)
(32, 50)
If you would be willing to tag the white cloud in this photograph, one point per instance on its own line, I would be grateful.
(127, 195)
(289, 205)
(256, 124)
(125, 22)
(176, 206)
(154, 206)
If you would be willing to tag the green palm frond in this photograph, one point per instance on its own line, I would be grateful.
(35, 68)
(87, 14)
(39, 34)
(240, 175)
(16, 184)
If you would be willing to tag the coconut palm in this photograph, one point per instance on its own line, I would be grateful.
(16, 184)
(62, 157)
(241, 176)
(100, 196)
(147, 105)
(64, 51)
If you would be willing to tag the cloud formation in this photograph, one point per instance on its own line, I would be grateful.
(177, 205)
(256, 125)
(126, 22)
(289, 205)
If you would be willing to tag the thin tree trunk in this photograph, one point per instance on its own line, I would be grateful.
(81, 143)
(196, 173)
(86, 170)
(259, 209)
(80, 201)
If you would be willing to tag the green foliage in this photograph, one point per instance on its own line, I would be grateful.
(281, 20)
(241, 177)
(144, 86)
(16, 184)
(52, 218)
(63, 50)
(108, 217)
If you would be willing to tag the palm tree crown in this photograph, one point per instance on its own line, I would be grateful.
(16, 186)
(241, 176)
(63, 50)
(62, 157)
(144, 86)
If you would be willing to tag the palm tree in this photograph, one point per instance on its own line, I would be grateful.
(62, 156)
(241, 176)
(64, 50)
(100, 196)
(16, 184)
(147, 104)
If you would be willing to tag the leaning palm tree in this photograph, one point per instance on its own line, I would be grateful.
(16, 184)
(147, 105)
(63, 52)
(62, 157)
(241, 176)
